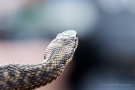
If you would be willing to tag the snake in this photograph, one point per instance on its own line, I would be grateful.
(19, 76)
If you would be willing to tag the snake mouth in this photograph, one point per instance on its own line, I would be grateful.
(75, 40)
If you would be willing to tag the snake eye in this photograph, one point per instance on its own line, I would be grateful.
(65, 39)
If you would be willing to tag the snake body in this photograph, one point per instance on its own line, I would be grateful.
(30, 76)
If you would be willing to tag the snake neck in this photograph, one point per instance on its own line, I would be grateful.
(46, 72)
(29, 77)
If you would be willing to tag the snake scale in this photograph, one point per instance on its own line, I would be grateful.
(30, 76)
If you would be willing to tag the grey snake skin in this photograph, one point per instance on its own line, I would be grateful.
(30, 76)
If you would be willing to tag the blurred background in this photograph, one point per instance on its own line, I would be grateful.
(105, 57)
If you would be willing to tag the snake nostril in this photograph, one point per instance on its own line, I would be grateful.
(76, 35)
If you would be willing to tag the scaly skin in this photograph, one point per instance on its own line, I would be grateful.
(30, 76)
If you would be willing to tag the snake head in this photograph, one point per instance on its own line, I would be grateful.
(63, 46)
(69, 39)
